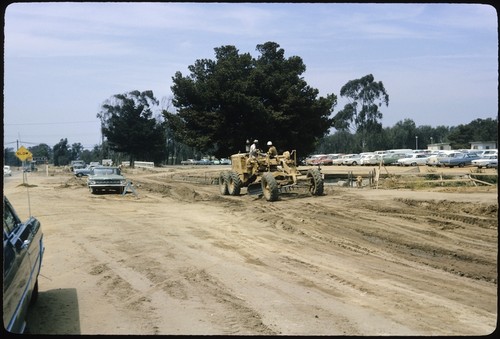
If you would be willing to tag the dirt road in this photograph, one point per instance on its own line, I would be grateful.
(179, 259)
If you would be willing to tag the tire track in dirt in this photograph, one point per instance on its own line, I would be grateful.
(219, 301)
(309, 217)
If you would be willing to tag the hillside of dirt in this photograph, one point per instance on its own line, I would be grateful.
(174, 257)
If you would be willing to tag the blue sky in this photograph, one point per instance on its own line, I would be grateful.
(438, 62)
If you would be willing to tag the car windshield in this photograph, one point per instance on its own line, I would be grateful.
(106, 171)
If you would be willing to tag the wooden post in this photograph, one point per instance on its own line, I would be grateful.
(377, 176)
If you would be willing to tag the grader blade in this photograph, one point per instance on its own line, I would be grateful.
(255, 189)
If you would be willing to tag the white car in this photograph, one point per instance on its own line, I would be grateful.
(487, 161)
(414, 159)
(370, 159)
(340, 160)
(7, 172)
(483, 153)
(351, 159)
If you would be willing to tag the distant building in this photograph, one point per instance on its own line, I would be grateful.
(441, 146)
(40, 160)
(481, 145)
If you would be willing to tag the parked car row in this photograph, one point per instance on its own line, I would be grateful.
(460, 158)
(222, 161)
(341, 159)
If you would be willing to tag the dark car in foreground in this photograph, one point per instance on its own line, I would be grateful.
(22, 259)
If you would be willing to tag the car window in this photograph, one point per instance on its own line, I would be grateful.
(10, 220)
(104, 171)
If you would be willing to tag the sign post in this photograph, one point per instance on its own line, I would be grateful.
(22, 153)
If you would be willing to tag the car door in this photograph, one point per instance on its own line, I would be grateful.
(22, 250)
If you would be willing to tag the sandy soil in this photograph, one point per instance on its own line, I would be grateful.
(177, 258)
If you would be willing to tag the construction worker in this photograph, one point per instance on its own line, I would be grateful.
(272, 152)
(254, 151)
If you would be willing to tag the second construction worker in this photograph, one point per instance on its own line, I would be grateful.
(272, 150)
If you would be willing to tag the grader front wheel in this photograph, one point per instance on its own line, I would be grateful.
(316, 187)
(269, 187)
(223, 183)
(234, 183)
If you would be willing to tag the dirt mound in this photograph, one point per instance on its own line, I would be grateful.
(74, 182)
(478, 210)
(181, 192)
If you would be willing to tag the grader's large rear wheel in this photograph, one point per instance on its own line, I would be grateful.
(234, 183)
(269, 187)
(317, 185)
(223, 182)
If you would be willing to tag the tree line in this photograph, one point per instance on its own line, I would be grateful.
(223, 102)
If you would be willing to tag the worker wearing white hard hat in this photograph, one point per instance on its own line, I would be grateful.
(273, 152)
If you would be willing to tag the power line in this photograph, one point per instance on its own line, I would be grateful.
(40, 143)
(52, 123)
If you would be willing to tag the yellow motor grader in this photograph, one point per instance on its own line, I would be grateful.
(263, 175)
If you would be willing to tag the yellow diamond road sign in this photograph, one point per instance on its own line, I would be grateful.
(22, 153)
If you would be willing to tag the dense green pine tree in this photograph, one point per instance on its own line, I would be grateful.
(224, 102)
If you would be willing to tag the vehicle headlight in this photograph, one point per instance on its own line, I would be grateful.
(123, 181)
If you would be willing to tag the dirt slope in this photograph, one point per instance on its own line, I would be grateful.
(178, 258)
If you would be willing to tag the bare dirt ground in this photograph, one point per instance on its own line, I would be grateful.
(177, 258)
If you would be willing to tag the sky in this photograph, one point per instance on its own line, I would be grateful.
(62, 61)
